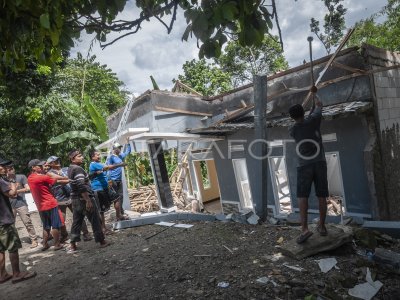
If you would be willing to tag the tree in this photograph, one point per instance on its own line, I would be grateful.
(334, 25)
(102, 85)
(244, 62)
(28, 119)
(44, 29)
(207, 79)
(385, 34)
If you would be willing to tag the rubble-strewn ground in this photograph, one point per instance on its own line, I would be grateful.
(154, 262)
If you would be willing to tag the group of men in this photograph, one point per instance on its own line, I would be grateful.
(54, 190)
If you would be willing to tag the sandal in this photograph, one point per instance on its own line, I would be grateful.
(71, 251)
(303, 237)
(44, 248)
(25, 276)
(123, 218)
(322, 231)
(6, 278)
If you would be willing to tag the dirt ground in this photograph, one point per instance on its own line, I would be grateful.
(155, 262)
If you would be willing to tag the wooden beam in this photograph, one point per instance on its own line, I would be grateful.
(186, 87)
(182, 111)
(348, 68)
(328, 64)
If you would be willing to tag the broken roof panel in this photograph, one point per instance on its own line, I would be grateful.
(330, 112)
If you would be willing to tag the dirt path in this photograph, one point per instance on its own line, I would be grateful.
(153, 262)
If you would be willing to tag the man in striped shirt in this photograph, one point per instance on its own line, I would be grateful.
(83, 202)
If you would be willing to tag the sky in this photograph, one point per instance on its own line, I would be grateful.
(152, 51)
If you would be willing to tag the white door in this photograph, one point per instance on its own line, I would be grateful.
(242, 182)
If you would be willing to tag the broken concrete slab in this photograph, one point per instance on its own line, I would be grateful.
(315, 244)
(221, 217)
(239, 218)
(367, 290)
(391, 228)
(253, 219)
(147, 220)
(388, 258)
(326, 264)
(272, 220)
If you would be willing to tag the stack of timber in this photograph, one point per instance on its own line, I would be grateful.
(144, 199)
(334, 205)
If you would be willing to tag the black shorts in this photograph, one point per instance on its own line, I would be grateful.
(117, 186)
(314, 172)
(103, 200)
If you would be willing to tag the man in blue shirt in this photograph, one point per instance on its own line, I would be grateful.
(99, 182)
(115, 175)
(312, 166)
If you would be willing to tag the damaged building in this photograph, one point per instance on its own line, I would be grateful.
(361, 118)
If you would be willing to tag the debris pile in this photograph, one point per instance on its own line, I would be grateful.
(334, 205)
(144, 199)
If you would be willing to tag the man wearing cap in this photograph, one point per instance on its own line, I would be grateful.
(115, 175)
(9, 239)
(62, 192)
(19, 205)
(99, 185)
(83, 202)
(40, 185)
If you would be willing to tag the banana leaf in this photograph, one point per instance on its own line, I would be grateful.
(97, 119)
(72, 135)
(155, 85)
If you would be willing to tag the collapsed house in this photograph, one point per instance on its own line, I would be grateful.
(216, 135)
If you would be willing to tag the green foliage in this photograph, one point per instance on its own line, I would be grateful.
(42, 30)
(102, 85)
(98, 121)
(236, 66)
(73, 135)
(139, 168)
(211, 21)
(244, 62)
(207, 79)
(334, 25)
(154, 83)
(386, 34)
(36, 106)
(27, 124)
(204, 174)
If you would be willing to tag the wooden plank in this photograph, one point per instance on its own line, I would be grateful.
(348, 68)
(181, 111)
(328, 64)
(290, 91)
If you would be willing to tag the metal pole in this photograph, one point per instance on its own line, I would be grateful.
(260, 147)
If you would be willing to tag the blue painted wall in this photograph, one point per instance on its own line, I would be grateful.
(352, 137)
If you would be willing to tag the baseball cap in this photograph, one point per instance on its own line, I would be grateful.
(117, 145)
(5, 162)
(52, 159)
(36, 162)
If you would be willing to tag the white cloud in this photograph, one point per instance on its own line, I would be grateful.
(152, 51)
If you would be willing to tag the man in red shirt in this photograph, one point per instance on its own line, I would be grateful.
(40, 185)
